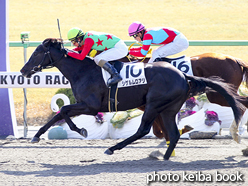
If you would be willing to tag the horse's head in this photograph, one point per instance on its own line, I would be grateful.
(42, 58)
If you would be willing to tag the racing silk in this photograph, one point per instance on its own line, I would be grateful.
(94, 40)
(157, 36)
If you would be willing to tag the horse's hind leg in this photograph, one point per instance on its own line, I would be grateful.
(157, 128)
(215, 97)
(145, 127)
(174, 135)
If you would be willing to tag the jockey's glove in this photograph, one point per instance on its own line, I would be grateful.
(65, 51)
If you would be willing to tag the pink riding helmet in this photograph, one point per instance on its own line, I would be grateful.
(135, 27)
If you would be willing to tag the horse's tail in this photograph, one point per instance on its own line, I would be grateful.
(201, 85)
(244, 66)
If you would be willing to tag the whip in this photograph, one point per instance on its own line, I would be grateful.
(60, 36)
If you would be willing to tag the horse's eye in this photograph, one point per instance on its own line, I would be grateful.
(35, 53)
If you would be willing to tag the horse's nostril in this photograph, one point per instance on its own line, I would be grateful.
(36, 69)
(23, 71)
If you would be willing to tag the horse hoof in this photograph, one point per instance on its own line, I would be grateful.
(166, 158)
(237, 138)
(234, 134)
(108, 152)
(35, 140)
(245, 152)
(84, 132)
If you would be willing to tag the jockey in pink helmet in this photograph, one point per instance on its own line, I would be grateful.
(172, 41)
(135, 28)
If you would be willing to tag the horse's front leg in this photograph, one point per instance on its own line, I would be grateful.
(145, 127)
(44, 128)
(75, 109)
(65, 113)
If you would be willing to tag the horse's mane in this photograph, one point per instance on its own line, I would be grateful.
(52, 40)
(56, 42)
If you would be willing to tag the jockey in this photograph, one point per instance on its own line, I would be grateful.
(113, 49)
(172, 41)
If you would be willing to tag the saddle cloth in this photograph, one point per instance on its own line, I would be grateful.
(182, 63)
(132, 74)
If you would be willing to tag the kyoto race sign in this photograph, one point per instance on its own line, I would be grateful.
(38, 80)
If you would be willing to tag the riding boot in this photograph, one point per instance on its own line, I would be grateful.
(116, 77)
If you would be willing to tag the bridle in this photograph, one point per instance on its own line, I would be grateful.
(40, 66)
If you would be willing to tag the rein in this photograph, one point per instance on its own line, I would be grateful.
(39, 67)
(149, 52)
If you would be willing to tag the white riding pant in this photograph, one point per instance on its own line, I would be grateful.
(119, 51)
(179, 44)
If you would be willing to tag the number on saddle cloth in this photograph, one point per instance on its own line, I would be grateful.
(182, 63)
(132, 73)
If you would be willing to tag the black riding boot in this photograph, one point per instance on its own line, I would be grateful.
(113, 72)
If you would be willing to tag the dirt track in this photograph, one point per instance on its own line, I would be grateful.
(83, 162)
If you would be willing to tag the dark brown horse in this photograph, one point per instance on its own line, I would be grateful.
(165, 92)
(232, 70)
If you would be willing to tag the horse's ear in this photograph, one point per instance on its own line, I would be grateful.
(46, 42)
(60, 42)
(52, 41)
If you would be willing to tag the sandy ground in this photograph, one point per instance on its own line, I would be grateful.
(83, 162)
